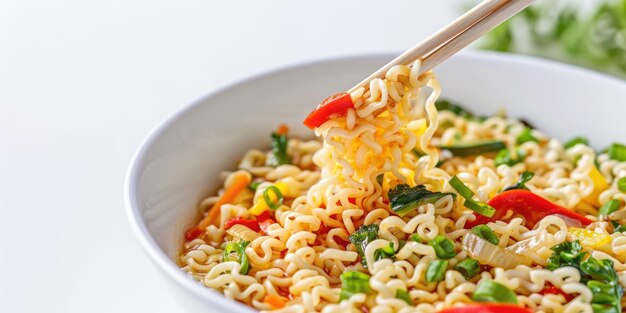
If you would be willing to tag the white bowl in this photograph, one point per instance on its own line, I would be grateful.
(179, 163)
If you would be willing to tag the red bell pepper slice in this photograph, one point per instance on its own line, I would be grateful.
(336, 105)
(551, 289)
(252, 224)
(265, 220)
(525, 203)
(487, 308)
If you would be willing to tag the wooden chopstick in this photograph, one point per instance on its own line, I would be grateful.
(454, 37)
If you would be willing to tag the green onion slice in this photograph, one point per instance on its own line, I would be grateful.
(460, 187)
(480, 208)
(609, 207)
(416, 238)
(444, 247)
(254, 185)
(353, 282)
(617, 152)
(468, 268)
(279, 197)
(490, 291)
(436, 270)
(404, 295)
(469, 149)
(236, 251)
(526, 136)
(484, 232)
(621, 184)
(575, 141)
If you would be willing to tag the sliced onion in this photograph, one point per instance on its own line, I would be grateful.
(242, 232)
(522, 247)
(617, 215)
(570, 222)
(487, 253)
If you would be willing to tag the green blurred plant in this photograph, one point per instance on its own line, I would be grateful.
(587, 33)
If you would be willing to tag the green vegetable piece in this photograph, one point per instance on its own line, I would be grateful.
(509, 157)
(479, 148)
(526, 136)
(353, 282)
(575, 141)
(609, 207)
(490, 291)
(254, 185)
(604, 284)
(379, 179)
(465, 192)
(279, 197)
(444, 247)
(436, 271)
(484, 232)
(278, 147)
(404, 199)
(460, 187)
(416, 238)
(236, 251)
(479, 207)
(621, 184)
(468, 268)
(404, 295)
(568, 253)
(446, 105)
(521, 183)
(385, 253)
(362, 237)
(617, 152)
(418, 153)
(617, 228)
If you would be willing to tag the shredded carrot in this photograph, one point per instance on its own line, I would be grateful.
(275, 301)
(240, 183)
(283, 129)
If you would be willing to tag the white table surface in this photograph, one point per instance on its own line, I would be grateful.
(83, 82)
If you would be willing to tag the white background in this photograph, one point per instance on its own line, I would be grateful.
(83, 82)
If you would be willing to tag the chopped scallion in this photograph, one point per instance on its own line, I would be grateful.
(273, 204)
(468, 268)
(254, 185)
(525, 177)
(509, 157)
(621, 184)
(490, 291)
(575, 141)
(353, 282)
(484, 232)
(444, 247)
(416, 238)
(404, 295)
(460, 187)
(436, 270)
(236, 251)
(478, 148)
(526, 136)
(465, 192)
(609, 207)
(617, 152)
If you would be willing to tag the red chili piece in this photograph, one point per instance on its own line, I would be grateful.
(525, 203)
(336, 105)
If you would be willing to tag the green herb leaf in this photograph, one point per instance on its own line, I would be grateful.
(490, 291)
(278, 147)
(436, 270)
(363, 236)
(404, 199)
(236, 251)
(568, 253)
(484, 232)
(353, 282)
(521, 183)
(444, 247)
